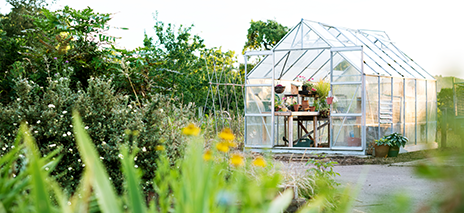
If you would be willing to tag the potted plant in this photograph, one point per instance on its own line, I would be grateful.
(294, 106)
(381, 147)
(392, 142)
(279, 88)
(396, 140)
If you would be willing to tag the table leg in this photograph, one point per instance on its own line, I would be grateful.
(290, 131)
(315, 130)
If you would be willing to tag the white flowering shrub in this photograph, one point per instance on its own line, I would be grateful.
(110, 118)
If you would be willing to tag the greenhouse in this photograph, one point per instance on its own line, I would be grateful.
(335, 90)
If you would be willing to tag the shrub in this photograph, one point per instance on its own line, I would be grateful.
(111, 120)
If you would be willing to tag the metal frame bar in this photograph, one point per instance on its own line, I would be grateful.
(378, 104)
(363, 54)
(273, 100)
(404, 107)
(362, 34)
(426, 114)
(363, 105)
(392, 109)
(415, 111)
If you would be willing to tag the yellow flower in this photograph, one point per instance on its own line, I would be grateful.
(259, 161)
(237, 160)
(231, 144)
(160, 148)
(191, 129)
(207, 155)
(222, 146)
(226, 134)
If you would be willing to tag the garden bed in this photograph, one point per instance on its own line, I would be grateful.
(360, 160)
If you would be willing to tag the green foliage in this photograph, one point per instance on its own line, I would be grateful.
(264, 35)
(322, 89)
(106, 115)
(197, 185)
(394, 139)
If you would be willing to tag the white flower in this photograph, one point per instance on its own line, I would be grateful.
(103, 143)
(64, 112)
(102, 157)
(69, 168)
(161, 110)
(36, 131)
(70, 150)
(71, 125)
(79, 160)
(38, 122)
(18, 99)
(121, 156)
(136, 166)
(86, 127)
(144, 149)
(51, 106)
(69, 133)
(14, 124)
(52, 145)
(64, 135)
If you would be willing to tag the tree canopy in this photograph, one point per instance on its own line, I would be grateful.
(264, 35)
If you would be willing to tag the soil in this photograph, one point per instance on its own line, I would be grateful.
(361, 160)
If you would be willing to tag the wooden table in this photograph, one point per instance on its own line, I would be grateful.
(299, 116)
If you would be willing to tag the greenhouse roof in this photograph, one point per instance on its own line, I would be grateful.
(306, 50)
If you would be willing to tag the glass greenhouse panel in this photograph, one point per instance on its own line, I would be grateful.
(347, 98)
(421, 127)
(258, 99)
(372, 102)
(398, 108)
(410, 111)
(258, 131)
(309, 59)
(386, 105)
(431, 111)
(346, 131)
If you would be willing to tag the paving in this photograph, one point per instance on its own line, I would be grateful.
(378, 184)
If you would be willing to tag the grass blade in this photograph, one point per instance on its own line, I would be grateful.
(106, 196)
(136, 202)
(39, 186)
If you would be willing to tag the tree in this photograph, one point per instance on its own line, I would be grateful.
(264, 35)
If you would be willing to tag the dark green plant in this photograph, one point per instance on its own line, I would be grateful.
(394, 139)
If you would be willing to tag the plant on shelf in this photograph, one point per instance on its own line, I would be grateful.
(279, 103)
(322, 88)
(323, 108)
(294, 106)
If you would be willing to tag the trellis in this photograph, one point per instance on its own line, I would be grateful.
(222, 91)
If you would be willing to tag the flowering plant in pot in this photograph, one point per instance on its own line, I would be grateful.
(294, 106)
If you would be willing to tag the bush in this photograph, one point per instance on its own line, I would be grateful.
(111, 120)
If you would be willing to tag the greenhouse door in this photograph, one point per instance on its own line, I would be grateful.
(346, 79)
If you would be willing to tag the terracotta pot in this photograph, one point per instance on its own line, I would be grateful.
(305, 104)
(312, 108)
(295, 107)
(381, 151)
(279, 89)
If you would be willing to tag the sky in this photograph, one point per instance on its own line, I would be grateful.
(430, 32)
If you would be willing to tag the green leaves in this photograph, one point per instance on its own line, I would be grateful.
(106, 195)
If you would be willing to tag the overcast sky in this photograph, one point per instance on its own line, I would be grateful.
(430, 32)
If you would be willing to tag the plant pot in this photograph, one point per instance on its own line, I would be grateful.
(381, 151)
(295, 107)
(305, 104)
(279, 89)
(312, 108)
(393, 152)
